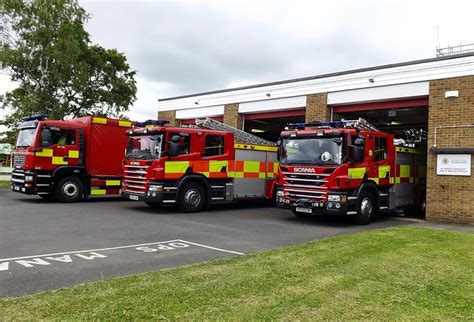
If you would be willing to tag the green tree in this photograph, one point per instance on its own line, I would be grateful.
(47, 51)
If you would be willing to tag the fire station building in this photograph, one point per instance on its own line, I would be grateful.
(435, 95)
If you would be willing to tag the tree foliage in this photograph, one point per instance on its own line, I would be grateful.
(47, 51)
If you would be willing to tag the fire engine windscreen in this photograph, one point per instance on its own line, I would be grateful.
(145, 147)
(25, 137)
(318, 151)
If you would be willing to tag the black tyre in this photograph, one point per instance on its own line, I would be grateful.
(301, 215)
(192, 198)
(153, 204)
(69, 189)
(417, 211)
(366, 209)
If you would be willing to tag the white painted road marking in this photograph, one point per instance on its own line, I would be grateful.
(65, 257)
(213, 248)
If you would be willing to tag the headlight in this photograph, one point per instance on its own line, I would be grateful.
(279, 193)
(335, 198)
(155, 188)
(28, 178)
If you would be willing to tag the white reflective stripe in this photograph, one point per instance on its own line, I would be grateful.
(134, 181)
(303, 186)
(301, 179)
(134, 191)
(305, 174)
(135, 171)
(297, 195)
(138, 187)
(303, 190)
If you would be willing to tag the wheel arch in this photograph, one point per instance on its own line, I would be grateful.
(69, 171)
(371, 187)
(197, 178)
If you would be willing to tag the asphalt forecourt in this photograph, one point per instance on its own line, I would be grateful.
(397, 273)
(48, 245)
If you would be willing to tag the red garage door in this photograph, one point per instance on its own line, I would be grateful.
(274, 115)
(388, 105)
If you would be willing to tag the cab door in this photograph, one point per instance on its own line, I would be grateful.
(58, 146)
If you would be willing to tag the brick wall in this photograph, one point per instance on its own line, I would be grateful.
(450, 198)
(168, 116)
(232, 116)
(317, 108)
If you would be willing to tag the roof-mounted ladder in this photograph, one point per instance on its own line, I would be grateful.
(239, 135)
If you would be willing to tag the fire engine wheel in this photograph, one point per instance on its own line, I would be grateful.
(192, 198)
(366, 210)
(69, 189)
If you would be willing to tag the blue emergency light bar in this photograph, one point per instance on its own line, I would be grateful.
(36, 117)
(152, 122)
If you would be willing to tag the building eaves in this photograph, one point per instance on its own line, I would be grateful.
(352, 71)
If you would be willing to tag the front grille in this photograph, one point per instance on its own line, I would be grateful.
(18, 160)
(134, 180)
(305, 185)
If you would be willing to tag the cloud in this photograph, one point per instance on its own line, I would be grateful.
(183, 47)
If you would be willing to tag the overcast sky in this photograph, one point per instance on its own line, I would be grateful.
(183, 47)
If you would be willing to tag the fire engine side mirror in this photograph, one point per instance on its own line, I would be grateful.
(279, 150)
(173, 149)
(357, 154)
(46, 139)
(357, 150)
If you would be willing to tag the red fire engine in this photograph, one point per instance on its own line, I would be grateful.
(71, 159)
(194, 167)
(348, 168)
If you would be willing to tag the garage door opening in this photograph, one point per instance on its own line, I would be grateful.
(407, 120)
(269, 125)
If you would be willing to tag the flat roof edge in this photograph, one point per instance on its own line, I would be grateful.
(294, 80)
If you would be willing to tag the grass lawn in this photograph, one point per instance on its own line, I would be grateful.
(5, 183)
(395, 273)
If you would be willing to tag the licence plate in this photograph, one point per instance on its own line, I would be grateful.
(305, 210)
(133, 197)
(16, 188)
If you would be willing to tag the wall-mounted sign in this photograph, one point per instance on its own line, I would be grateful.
(454, 165)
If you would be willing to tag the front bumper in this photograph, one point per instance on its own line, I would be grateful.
(315, 207)
(24, 181)
(167, 195)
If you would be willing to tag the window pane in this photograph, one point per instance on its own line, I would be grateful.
(380, 149)
(183, 142)
(214, 145)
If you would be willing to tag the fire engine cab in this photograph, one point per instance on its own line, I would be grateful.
(69, 159)
(194, 167)
(348, 168)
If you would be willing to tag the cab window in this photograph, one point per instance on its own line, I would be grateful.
(214, 145)
(183, 142)
(380, 149)
(56, 136)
